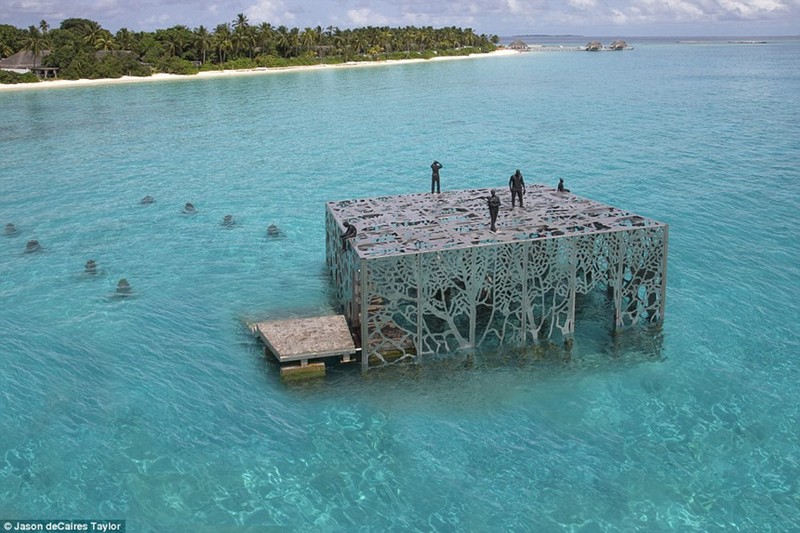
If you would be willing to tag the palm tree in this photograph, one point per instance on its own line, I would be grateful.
(177, 38)
(265, 36)
(222, 40)
(44, 26)
(309, 38)
(385, 39)
(241, 22)
(282, 41)
(105, 41)
(34, 41)
(294, 41)
(240, 37)
(91, 32)
(251, 40)
(124, 39)
(202, 41)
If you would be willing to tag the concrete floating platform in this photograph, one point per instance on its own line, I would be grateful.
(304, 339)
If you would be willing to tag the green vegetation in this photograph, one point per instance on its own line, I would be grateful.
(82, 48)
(13, 77)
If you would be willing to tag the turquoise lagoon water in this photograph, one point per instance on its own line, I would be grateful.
(161, 409)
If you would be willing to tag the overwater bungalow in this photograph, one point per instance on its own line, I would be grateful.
(594, 46)
(520, 45)
(619, 44)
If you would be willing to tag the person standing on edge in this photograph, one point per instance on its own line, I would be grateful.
(494, 208)
(435, 166)
(517, 186)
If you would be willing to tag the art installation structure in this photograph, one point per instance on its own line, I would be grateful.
(425, 275)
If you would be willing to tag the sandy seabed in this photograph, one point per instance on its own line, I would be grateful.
(56, 84)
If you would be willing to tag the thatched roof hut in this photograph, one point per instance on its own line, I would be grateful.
(619, 44)
(594, 46)
(25, 61)
(519, 44)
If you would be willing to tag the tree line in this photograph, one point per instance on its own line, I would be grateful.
(82, 48)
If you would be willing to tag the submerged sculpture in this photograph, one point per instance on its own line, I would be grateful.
(228, 221)
(91, 267)
(123, 287)
(147, 200)
(32, 246)
(273, 231)
(189, 209)
(10, 229)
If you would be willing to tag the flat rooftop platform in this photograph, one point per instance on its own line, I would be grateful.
(424, 222)
(302, 339)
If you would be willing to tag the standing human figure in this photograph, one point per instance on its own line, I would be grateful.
(494, 208)
(435, 166)
(561, 185)
(517, 186)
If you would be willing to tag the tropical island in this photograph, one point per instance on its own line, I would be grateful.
(83, 49)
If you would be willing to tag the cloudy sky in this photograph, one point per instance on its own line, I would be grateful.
(622, 18)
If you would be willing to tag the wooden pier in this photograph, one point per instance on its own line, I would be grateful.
(306, 341)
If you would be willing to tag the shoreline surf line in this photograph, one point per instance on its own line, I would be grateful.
(62, 84)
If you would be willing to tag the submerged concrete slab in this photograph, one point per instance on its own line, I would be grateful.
(301, 372)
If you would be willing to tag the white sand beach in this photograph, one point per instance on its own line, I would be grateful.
(60, 84)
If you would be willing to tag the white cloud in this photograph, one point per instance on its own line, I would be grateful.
(619, 18)
(649, 11)
(748, 9)
(584, 5)
(504, 17)
(515, 7)
(272, 11)
(366, 17)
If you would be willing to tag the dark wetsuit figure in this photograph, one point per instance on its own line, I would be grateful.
(123, 287)
(435, 166)
(561, 185)
(350, 231)
(517, 186)
(494, 208)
